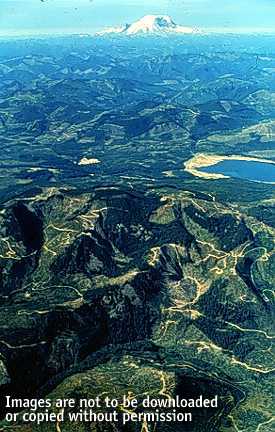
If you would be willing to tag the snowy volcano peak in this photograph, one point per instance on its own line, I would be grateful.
(150, 24)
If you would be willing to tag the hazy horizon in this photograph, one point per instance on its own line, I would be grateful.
(53, 17)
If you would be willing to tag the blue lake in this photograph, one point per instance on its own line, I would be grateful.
(249, 170)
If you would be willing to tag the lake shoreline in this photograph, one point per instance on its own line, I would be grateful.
(203, 160)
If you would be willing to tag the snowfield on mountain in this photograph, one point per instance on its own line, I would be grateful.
(150, 24)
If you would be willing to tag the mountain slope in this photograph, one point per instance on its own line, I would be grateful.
(150, 24)
(122, 283)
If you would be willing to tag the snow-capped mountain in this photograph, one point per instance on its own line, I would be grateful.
(149, 24)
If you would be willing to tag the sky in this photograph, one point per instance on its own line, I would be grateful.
(24, 17)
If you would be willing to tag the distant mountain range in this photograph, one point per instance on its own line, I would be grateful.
(160, 25)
